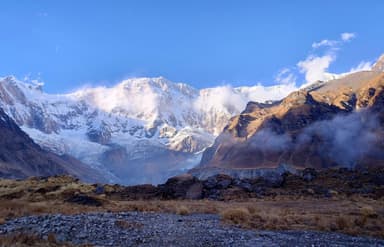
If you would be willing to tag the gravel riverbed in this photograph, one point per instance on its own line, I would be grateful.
(160, 229)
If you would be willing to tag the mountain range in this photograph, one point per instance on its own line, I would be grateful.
(144, 130)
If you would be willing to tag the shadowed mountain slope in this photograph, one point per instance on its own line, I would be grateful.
(21, 157)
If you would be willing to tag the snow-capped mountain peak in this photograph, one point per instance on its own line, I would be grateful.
(147, 127)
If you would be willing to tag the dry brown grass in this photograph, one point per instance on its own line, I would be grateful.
(235, 215)
(182, 210)
(368, 211)
(316, 214)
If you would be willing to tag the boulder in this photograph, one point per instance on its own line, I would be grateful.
(182, 187)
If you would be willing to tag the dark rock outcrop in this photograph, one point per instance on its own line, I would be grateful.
(182, 187)
(308, 182)
(84, 200)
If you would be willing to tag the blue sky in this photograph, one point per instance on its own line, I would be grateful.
(205, 43)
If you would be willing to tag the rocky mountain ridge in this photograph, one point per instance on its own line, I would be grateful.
(334, 124)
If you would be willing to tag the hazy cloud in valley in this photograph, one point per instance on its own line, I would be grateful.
(268, 140)
(344, 139)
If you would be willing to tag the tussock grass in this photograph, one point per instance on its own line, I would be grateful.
(182, 210)
(235, 215)
(368, 211)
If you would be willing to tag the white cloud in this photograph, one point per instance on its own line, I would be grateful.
(344, 37)
(347, 36)
(315, 68)
(324, 42)
(133, 100)
(362, 66)
(234, 100)
(286, 76)
(221, 98)
(260, 93)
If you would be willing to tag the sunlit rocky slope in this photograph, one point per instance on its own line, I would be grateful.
(339, 123)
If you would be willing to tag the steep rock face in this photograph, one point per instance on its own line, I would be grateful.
(20, 157)
(338, 123)
(101, 134)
